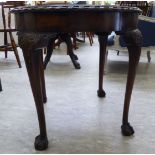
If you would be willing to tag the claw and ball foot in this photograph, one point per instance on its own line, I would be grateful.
(77, 65)
(44, 99)
(41, 143)
(127, 129)
(101, 93)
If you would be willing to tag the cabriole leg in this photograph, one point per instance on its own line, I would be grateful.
(32, 61)
(133, 41)
(42, 76)
(102, 44)
(31, 44)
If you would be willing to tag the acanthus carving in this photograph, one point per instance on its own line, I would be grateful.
(31, 40)
(133, 38)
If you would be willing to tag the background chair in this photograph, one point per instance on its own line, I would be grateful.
(147, 27)
(143, 5)
(7, 31)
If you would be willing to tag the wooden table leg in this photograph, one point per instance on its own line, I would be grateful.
(32, 61)
(133, 41)
(42, 76)
(31, 44)
(102, 44)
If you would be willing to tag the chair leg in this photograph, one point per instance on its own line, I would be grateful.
(5, 43)
(50, 47)
(0, 85)
(90, 38)
(74, 41)
(15, 49)
(59, 41)
(148, 56)
(117, 52)
(91, 34)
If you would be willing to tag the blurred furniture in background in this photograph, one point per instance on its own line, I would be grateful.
(111, 39)
(67, 39)
(15, 3)
(74, 40)
(52, 2)
(143, 5)
(152, 10)
(90, 36)
(7, 30)
(147, 27)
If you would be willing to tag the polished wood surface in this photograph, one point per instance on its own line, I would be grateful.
(68, 19)
(35, 25)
